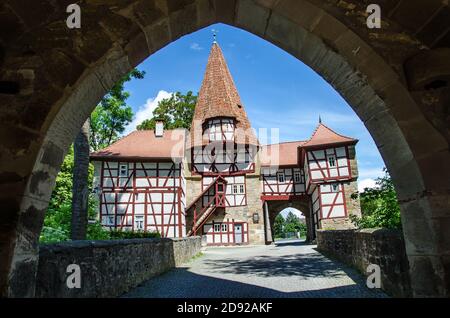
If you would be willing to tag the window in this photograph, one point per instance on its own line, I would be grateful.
(235, 189)
(123, 171)
(335, 187)
(224, 227)
(281, 177)
(241, 189)
(216, 228)
(297, 177)
(331, 161)
(139, 223)
(220, 188)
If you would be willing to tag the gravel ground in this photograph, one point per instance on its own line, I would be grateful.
(288, 269)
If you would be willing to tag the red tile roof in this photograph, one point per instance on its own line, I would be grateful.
(323, 136)
(144, 145)
(218, 97)
(283, 154)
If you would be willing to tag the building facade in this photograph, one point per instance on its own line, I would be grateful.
(217, 180)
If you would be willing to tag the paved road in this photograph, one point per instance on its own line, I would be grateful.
(288, 269)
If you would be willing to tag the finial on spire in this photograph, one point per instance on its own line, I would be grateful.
(214, 31)
(320, 119)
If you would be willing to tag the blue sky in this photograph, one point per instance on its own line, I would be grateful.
(278, 90)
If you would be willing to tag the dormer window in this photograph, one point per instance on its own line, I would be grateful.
(220, 129)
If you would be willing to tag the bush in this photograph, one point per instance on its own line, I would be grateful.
(379, 206)
(123, 235)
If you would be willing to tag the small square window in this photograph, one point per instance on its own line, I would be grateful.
(139, 223)
(224, 227)
(216, 228)
(235, 189)
(297, 177)
(335, 187)
(123, 171)
(281, 177)
(241, 189)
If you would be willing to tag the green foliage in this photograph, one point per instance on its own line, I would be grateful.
(111, 116)
(379, 206)
(123, 235)
(292, 224)
(176, 112)
(278, 226)
(108, 121)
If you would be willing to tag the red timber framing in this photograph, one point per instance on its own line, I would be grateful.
(235, 192)
(283, 182)
(315, 206)
(143, 196)
(328, 202)
(223, 233)
(211, 161)
(199, 211)
(319, 168)
(220, 128)
(332, 201)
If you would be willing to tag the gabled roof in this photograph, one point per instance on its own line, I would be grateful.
(144, 145)
(282, 154)
(218, 97)
(324, 136)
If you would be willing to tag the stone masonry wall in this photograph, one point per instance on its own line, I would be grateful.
(359, 248)
(109, 268)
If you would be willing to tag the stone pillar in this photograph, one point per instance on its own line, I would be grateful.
(267, 225)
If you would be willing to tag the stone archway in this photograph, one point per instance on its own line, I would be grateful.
(52, 77)
(276, 207)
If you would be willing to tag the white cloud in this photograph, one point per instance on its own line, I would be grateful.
(146, 111)
(196, 47)
(366, 183)
(371, 173)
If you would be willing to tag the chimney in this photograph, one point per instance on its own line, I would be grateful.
(159, 128)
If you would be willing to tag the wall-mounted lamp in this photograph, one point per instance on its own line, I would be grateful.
(256, 218)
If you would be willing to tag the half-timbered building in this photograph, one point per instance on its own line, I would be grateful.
(217, 181)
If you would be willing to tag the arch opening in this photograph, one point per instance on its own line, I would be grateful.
(363, 78)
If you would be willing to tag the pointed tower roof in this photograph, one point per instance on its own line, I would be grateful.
(219, 97)
(324, 136)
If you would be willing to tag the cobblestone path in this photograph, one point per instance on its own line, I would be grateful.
(284, 270)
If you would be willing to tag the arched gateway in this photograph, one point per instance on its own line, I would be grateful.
(217, 180)
(395, 78)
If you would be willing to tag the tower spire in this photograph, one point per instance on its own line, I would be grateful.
(218, 97)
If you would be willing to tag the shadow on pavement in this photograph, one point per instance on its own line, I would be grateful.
(180, 283)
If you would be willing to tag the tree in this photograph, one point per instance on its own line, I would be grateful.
(278, 226)
(293, 223)
(176, 111)
(108, 121)
(112, 114)
(80, 190)
(379, 206)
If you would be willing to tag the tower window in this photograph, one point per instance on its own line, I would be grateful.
(242, 189)
(335, 188)
(235, 189)
(281, 177)
(332, 161)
